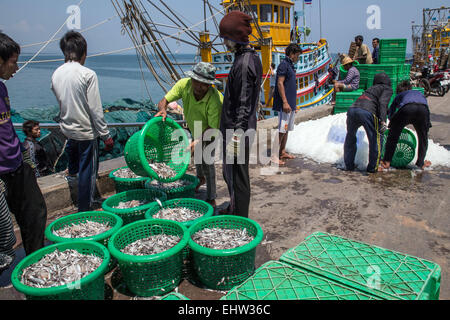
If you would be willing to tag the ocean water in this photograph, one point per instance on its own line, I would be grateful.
(119, 77)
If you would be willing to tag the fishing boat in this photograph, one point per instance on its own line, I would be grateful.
(274, 28)
(431, 39)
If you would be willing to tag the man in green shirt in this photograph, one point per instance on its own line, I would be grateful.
(202, 105)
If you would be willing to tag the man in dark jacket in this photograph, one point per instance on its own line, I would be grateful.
(409, 107)
(370, 112)
(240, 103)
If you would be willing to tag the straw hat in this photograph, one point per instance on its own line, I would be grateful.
(346, 60)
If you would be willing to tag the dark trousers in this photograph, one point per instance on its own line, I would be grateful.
(419, 116)
(27, 203)
(83, 159)
(237, 178)
(357, 117)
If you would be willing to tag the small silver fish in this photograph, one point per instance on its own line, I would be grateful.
(222, 239)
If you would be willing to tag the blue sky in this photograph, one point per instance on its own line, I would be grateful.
(30, 21)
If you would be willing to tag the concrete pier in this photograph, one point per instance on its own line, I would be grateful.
(402, 210)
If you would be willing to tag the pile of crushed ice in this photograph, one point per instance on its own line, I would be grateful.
(322, 140)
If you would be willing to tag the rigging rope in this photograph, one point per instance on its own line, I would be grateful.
(81, 31)
(172, 36)
(46, 44)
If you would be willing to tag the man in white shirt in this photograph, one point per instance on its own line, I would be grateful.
(81, 115)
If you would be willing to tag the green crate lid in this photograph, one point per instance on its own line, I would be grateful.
(393, 43)
(276, 280)
(174, 296)
(378, 271)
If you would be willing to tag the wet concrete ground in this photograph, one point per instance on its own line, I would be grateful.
(401, 210)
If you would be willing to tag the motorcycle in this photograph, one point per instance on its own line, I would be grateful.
(433, 82)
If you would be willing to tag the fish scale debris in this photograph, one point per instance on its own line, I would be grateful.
(180, 214)
(163, 170)
(151, 245)
(222, 239)
(60, 268)
(82, 230)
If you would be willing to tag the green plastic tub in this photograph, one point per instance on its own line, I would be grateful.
(132, 214)
(224, 269)
(276, 280)
(187, 191)
(190, 203)
(405, 151)
(158, 141)
(98, 216)
(91, 287)
(393, 44)
(377, 271)
(125, 184)
(151, 275)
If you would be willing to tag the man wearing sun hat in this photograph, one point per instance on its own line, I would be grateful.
(351, 81)
(241, 99)
(202, 106)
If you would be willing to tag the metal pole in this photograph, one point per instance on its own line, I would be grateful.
(320, 17)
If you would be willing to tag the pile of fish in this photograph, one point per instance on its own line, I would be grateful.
(60, 268)
(222, 239)
(82, 230)
(169, 185)
(151, 245)
(180, 214)
(131, 204)
(163, 170)
(126, 173)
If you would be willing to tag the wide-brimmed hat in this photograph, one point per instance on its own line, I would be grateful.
(203, 72)
(347, 60)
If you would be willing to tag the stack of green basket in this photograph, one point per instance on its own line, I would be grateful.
(136, 213)
(345, 99)
(186, 191)
(150, 275)
(91, 287)
(392, 51)
(224, 269)
(125, 184)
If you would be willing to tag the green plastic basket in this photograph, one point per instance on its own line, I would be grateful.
(158, 141)
(91, 287)
(150, 275)
(125, 184)
(98, 216)
(187, 191)
(381, 272)
(396, 44)
(224, 269)
(190, 203)
(132, 214)
(405, 150)
(276, 280)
